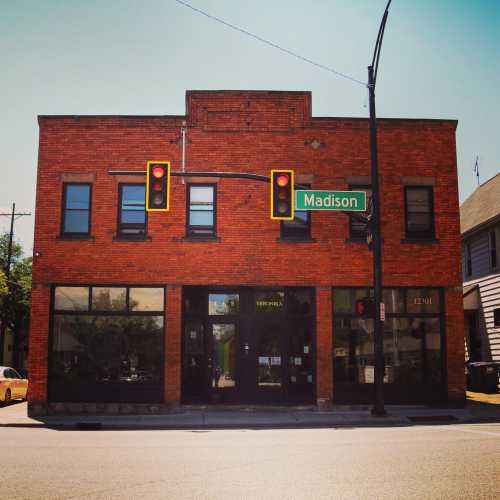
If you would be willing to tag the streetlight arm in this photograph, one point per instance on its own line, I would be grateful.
(378, 43)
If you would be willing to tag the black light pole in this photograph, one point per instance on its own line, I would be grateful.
(378, 333)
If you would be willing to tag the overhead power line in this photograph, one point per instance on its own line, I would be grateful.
(271, 44)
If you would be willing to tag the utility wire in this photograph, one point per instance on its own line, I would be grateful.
(271, 44)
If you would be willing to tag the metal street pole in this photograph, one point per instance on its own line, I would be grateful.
(378, 331)
(3, 316)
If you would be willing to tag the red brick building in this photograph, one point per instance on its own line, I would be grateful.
(215, 302)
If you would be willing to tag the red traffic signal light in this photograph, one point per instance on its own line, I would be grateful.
(282, 195)
(365, 307)
(157, 186)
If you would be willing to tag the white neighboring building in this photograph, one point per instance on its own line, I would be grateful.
(480, 229)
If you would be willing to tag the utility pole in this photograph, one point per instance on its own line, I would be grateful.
(3, 317)
(378, 332)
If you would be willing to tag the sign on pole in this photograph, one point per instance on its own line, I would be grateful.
(346, 201)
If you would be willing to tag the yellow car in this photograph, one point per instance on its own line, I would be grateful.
(12, 385)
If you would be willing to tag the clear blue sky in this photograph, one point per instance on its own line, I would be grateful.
(440, 59)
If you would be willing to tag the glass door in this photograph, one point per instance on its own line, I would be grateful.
(270, 359)
(222, 362)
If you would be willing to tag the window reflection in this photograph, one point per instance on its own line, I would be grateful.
(269, 357)
(146, 299)
(71, 298)
(411, 348)
(224, 356)
(89, 349)
(223, 303)
(108, 299)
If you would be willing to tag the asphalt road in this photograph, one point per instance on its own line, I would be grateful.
(441, 462)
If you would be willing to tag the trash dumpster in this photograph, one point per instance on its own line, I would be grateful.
(483, 376)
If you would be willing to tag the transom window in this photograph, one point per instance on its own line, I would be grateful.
(132, 219)
(419, 208)
(201, 220)
(76, 209)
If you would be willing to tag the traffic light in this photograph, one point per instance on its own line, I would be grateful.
(158, 186)
(282, 195)
(365, 307)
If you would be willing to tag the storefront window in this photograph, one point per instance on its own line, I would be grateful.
(422, 300)
(107, 356)
(412, 344)
(108, 299)
(94, 355)
(146, 299)
(71, 298)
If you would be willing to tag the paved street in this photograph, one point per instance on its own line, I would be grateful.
(445, 461)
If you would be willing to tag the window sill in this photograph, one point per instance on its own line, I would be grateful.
(201, 239)
(421, 241)
(131, 238)
(75, 237)
(296, 240)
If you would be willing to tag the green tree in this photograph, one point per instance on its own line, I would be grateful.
(15, 300)
(3, 286)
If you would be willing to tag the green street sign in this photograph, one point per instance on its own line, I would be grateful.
(347, 201)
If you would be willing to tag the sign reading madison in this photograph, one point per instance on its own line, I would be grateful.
(348, 201)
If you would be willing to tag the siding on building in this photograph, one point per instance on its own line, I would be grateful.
(480, 254)
(489, 294)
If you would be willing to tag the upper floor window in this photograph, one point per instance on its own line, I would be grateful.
(357, 228)
(201, 219)
(76, 209)
(299, 228)
(419, 212)
(493, 249)
(132, 219)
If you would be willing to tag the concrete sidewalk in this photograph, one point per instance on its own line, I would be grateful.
(252, 417)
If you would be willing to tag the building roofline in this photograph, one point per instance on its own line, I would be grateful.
(320, 118)
(479, 227)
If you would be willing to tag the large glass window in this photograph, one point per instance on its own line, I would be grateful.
(108, 298)
(71, 298)
(419, 207)
(112, 354)
(76, 209)
(201, 207)
(412, 344)
(132, 213)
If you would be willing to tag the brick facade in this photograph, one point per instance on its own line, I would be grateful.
(254, 132)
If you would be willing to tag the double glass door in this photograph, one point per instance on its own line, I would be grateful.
(236, 355)
(245, 361)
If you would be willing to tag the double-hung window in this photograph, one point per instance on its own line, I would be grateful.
(201, 217)
(419, 212)
(76, 210)
(132, 218)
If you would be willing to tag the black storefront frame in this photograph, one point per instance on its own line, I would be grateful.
(242, 321)
(159, 389)
(363, 393)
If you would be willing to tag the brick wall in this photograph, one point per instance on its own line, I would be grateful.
(247, 132)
